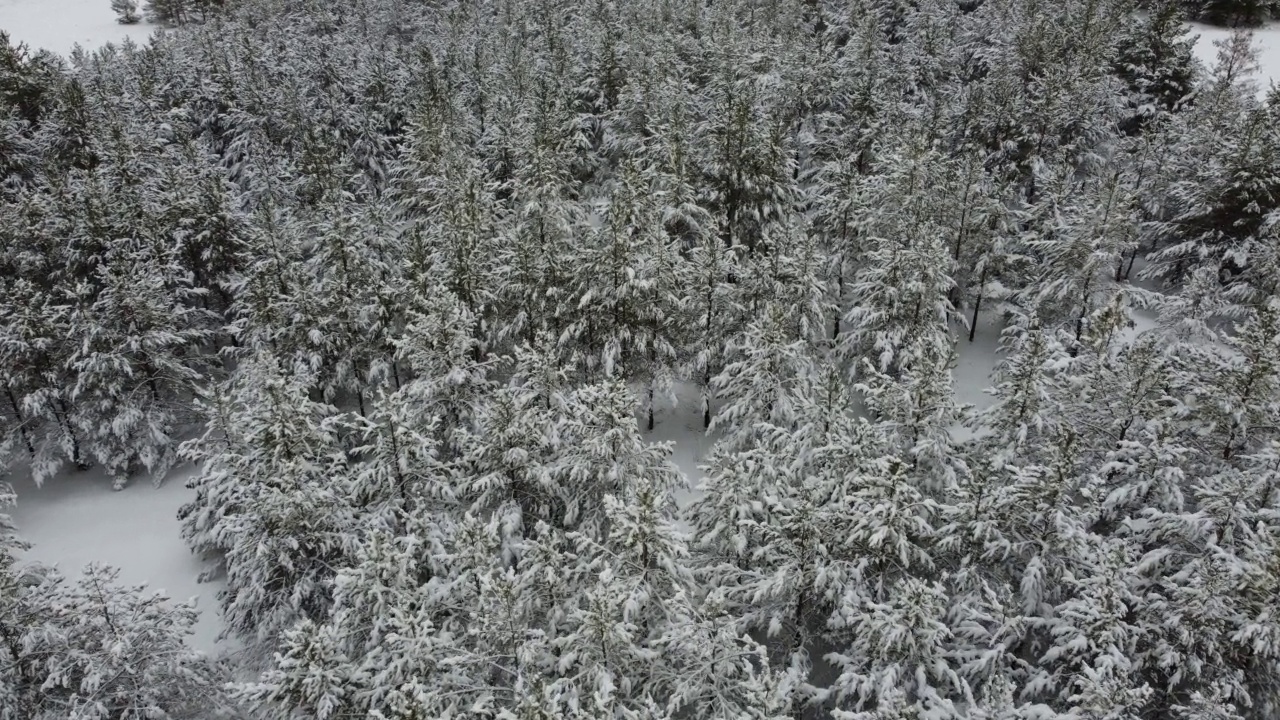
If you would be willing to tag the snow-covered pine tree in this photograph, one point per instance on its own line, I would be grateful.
(459, 239)
(1080, 248)
(616, 600)
(1091, 662)
(1219, 647)
(765, 535)
(1155, 61)
(36, 404)
(508, 454)
(759, 386)
(392, 645)
(196, 206)
(900, 302)
(1233, 392)
(347, 265)
(790, 273)
(545, 207)
(68, 135)
(1254, 502)
(1232, 13)
(898, 664)
(840, 204)
(30, 79)
(448, 198)
(628, 283)
(1027, 384)
(168, 12)
(439, 350)
(397, 449)
(864, 107)
(974, 207)
(16, 688)
(717, 671)
(101, 650)
(917, 411)
(714, 312)
(887, 630)
(1048, 546)
(602, 454)
(274, 506)
(984, 613)
(1194, 315)
(1223, 202)
(744, 149)
(627, 627)
(705, 266)
(142, 346)
(798, 527)
(271, 308)
(126, 11)
(1143, 458)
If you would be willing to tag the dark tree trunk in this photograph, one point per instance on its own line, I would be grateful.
(977, 304)
(650, 423)
(22, 427)
(64, 419)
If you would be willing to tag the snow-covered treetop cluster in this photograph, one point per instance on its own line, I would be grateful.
(414, 275)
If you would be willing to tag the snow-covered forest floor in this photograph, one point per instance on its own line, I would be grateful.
(77, 519)
(60, 25)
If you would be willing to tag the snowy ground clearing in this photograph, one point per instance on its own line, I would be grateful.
(681, 423)
(975, 360)
(77, 519)
(59, 25)
(1266, 39)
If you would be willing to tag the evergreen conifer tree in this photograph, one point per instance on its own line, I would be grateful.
(126, 11)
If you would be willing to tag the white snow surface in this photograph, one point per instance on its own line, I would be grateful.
(975, 361)
(1266, 39)
(680, 423)
(59, 25)
(76, 519)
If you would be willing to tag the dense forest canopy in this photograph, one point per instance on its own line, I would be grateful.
(406, 279)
